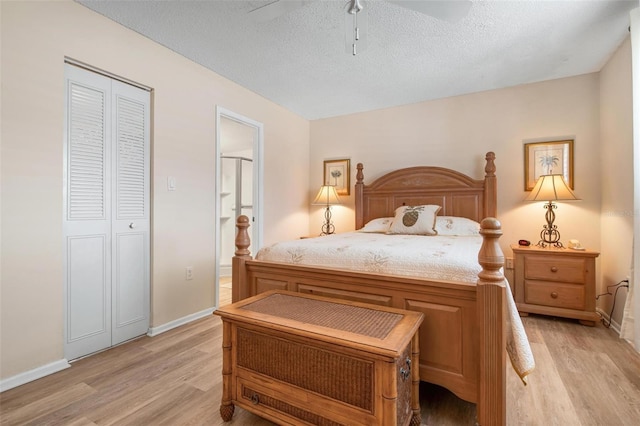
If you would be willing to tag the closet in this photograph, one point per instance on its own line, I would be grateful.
(106, 211)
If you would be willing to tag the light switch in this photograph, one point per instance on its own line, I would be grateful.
(171, 183)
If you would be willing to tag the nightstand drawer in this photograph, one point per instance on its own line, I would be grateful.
(556, 295)
(555, 268)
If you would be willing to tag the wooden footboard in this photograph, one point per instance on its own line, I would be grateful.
(462, 338)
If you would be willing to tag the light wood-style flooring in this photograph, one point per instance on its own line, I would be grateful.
(225, 291)
(584, 376)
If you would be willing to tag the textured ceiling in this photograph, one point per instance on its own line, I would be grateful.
(300, 59)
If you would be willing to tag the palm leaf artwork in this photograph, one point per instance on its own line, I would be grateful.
(548, 161)
(336, 174)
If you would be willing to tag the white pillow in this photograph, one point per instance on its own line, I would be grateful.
(380, 224)
(415, 220)
(452, 225)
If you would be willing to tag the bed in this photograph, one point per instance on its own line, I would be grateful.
(469, 324)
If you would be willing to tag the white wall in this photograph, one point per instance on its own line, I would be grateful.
(36, 37)
(616, 141)
(457, 132)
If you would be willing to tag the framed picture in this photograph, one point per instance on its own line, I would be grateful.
(337, 173)
(548, 158)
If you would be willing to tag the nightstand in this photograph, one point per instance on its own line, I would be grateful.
(558, 282)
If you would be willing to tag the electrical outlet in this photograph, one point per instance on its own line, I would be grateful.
(508, 262)
(189, 273)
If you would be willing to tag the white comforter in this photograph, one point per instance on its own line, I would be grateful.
(444, 258)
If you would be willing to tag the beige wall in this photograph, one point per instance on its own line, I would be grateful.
(594, 109)
(457, 132)
(36, 37)
(616, 141)
(454, 132)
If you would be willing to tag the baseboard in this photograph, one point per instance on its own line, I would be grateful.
(35, 374)
(154, 331)
(613, 325)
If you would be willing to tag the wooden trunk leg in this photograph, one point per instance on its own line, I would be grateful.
(226, 406)
(226, 411)
(416, 417)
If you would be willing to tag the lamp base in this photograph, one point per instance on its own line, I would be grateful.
(327, 228)
(544, 243)
(550, 236)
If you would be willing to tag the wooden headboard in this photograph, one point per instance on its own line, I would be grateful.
(457, 193)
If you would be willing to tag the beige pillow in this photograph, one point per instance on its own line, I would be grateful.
(380, 224)
(415, 220)
(461, 226)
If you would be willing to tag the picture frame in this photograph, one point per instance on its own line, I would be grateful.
(544, 158)
(338, 174)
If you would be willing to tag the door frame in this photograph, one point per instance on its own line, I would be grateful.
(258, 190)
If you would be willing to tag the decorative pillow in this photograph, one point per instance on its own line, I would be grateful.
(452, 225)
(416, 220)
(381, 224)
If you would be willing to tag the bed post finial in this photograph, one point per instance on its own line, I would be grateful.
(359, 200)
(490, 186)
(491, 257)
(238, 269)
(242, 237)
(490, 168)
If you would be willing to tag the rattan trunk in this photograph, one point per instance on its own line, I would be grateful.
(309, 360)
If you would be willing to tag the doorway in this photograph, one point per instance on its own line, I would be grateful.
(238, 190)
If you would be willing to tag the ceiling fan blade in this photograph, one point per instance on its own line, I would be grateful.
(451, 11)
(274, 9)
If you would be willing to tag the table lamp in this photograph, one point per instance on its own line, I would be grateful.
(550, 188)
(327, 196)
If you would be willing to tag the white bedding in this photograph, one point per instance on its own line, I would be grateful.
(450, 258)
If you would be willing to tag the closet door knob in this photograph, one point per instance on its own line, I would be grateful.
(132, 225)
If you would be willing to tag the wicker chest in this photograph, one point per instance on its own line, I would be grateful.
(302, 359)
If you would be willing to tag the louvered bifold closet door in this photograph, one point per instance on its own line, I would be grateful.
(87, 213)
(130, 244)
(106, 212)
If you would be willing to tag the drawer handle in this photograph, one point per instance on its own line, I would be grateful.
(554, 269)
(554, 295)
(404, 374)
(255, 399)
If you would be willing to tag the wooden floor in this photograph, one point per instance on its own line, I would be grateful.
(225, 291)
(584, 376)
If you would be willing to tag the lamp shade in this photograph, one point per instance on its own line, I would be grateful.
(327, 196)
(551, 188)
